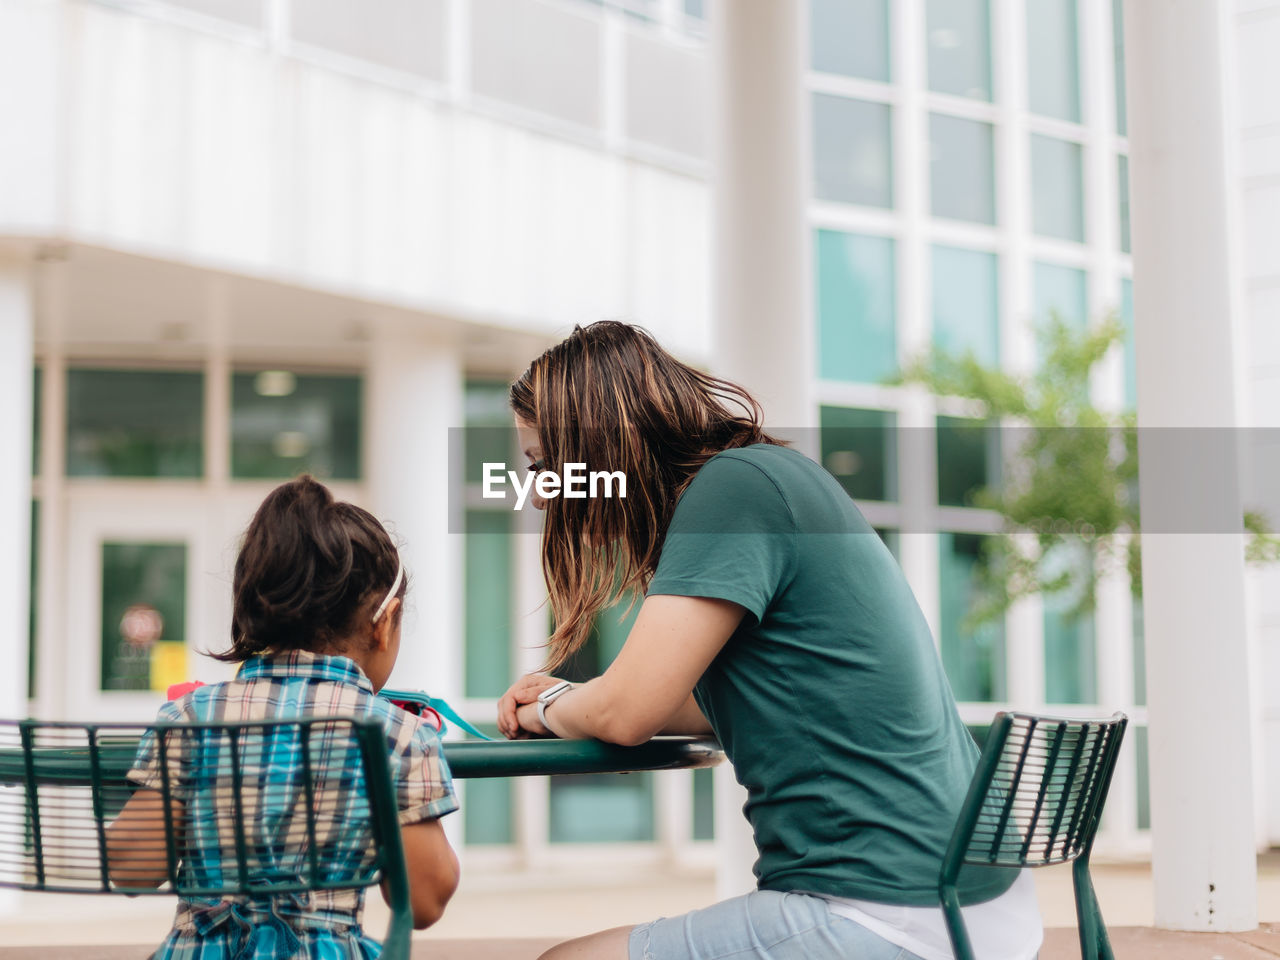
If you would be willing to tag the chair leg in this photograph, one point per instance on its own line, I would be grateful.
(960, 944)
(1094, 942)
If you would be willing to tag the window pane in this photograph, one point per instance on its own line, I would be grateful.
(968, 459)
(1053, 59)
(966, 303)
(856, 307)
(1070, 654)
(960, 47)
(852, 151)
(602, 808)
(1130, 348)
(850, 37)
(961, 169)
(859, 449)
(1139, 654)
(32, 607)
(974, 659)
(487, 805)
(704, 805)
(144, 604)
(1061, 292)
(284, 424)
(134, 423)
(490, 432)
(1141, 755)
(1122, 108)
(489, 584)
(696, 8)
(1122, 184)
(1057, 188)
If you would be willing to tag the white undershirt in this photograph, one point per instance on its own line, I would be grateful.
(1006, 928)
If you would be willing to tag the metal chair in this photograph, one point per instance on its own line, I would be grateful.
(255, 813)
(1035, 800)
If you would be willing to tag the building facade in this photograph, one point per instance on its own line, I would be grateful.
(246, 238)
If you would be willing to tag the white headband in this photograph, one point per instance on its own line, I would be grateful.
(395, 585)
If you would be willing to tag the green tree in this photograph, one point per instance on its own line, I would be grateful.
(1072, 481)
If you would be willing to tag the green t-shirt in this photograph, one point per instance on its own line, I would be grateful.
(829, 698)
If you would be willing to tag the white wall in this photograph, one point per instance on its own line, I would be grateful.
(1257, 40)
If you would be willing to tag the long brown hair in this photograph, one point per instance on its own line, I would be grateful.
(610, 397)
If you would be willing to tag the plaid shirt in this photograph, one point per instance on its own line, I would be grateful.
(323, 924)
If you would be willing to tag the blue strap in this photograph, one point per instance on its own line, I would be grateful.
(439, 705)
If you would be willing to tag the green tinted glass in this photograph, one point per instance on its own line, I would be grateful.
(959, 37)
(852, 151)
(1057, 188)
(144, 603)
(1130, 347)
(490, 435)
(602, 808)
(968, 459)
(962, 183)
(285, 423)
(489, 583)
(966, 303)
(1122, 183)
(134, 423)
(856, 300)
(487, 806)
(1070, 642)
(704, 804)
(1117, 28)
(1053, 59)
(974, 658)
(850, 37)
(859, 449)
(35, 594)
(1141, 753)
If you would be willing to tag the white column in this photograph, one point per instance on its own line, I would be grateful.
(1203, 857)
(762, 273)
(17, 324)
(414, 399)
(761, 310)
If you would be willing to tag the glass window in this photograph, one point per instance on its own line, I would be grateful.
(704, 805)
(959, 47)
(850, 37)
(856, 297)
(1053, 59)
(1070, 653)
(961, 169)
(974, 658)
(487, 805)
(33, 607)
(134, 423)
(966, 313)
(1122, 185)
(1141, 757)
(144, 609)
(859, 449)
(1122, 107)
(1057, 188)
(606, 807)
(891, 539)
(1130, 347)
(1061, 292)
(968, 459)
(696, 8)
(852, 151)
(489, 581)
(1139, 654)
(285, 423)
(490, 432)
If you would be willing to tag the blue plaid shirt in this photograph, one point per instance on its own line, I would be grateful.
(323, 924)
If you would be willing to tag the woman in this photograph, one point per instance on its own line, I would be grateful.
(773, 617)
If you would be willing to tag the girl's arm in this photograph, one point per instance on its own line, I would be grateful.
(647, 688)
(433, 870)
(136, 849)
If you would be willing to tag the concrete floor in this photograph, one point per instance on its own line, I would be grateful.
(515, 916)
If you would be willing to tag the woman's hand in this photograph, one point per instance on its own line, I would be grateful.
(518, 708)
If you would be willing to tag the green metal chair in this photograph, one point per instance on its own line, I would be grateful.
(1035, 800)
(267, 811)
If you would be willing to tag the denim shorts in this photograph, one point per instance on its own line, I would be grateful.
(764, 925)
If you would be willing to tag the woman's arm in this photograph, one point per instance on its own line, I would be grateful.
(647, 689)
(137, 854)
(433, 871)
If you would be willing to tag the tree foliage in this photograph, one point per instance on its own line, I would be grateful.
(1068, 496)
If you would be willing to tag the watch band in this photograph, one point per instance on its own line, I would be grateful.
(548, 697)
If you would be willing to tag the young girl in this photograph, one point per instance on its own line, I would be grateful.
(776, 619)
(318, 597)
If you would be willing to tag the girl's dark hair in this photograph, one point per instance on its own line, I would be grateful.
(610, 397)
(310, 570)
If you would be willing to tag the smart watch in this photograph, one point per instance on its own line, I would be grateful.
(550, 696)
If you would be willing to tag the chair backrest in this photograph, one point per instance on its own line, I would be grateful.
(1037, 792)
(251, 809)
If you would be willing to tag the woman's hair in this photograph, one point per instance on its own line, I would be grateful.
(610, 397)
(310, 571)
